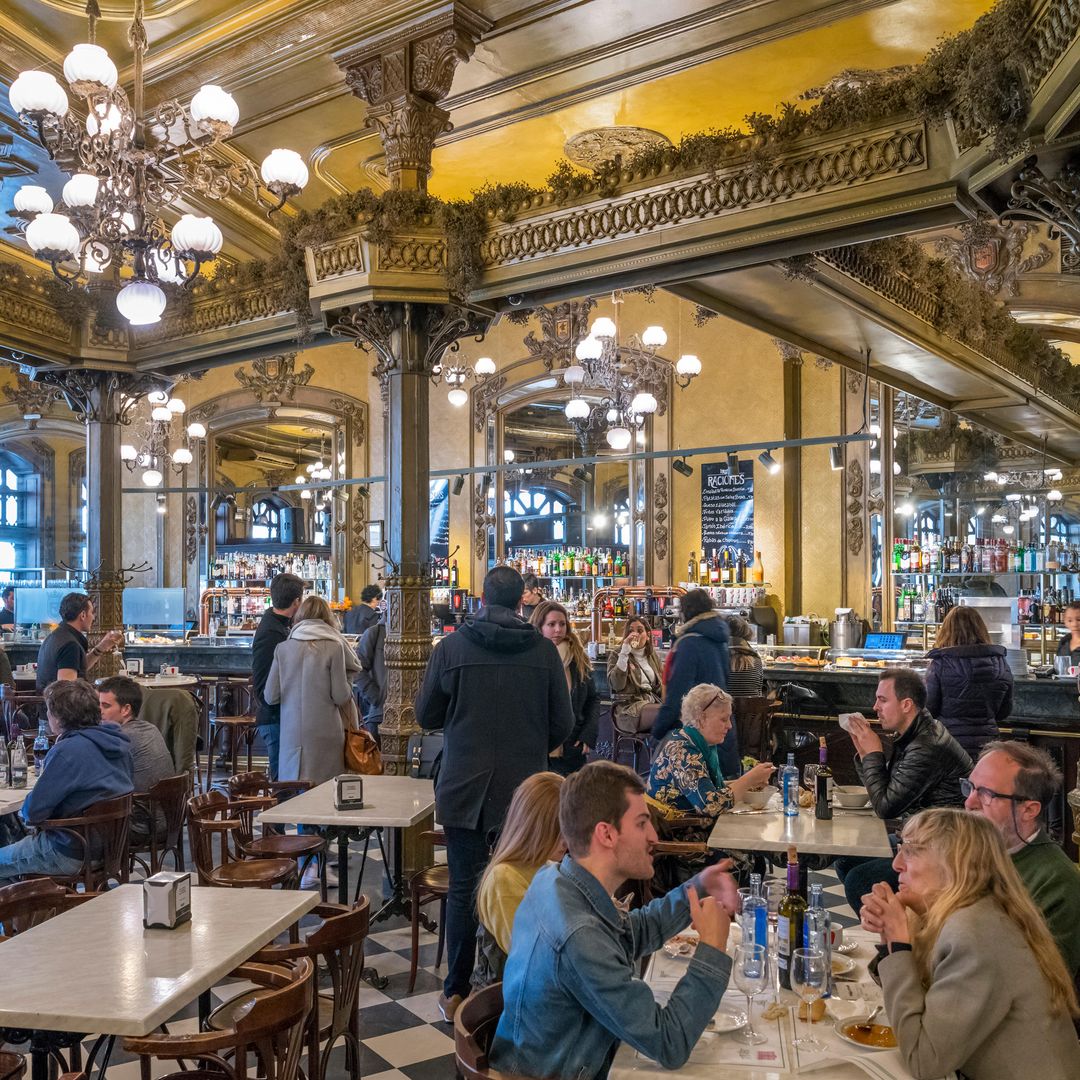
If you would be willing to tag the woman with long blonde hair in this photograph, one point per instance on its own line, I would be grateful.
(553, 621)
(973, 981)
(530, 837)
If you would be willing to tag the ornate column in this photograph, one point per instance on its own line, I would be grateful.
(407, 340)
(403, 75)
(103, 400)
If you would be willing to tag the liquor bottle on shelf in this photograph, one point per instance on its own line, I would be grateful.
(703, 569)
(758, 576)
(727, 570)
(691, 569)
(454, 575)
(741, 565)
(789, 926)
(824, 784)
(714, 569)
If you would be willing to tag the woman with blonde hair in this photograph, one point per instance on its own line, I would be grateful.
(973, 981)
(530, 837)
(553, 621)
(311, 677)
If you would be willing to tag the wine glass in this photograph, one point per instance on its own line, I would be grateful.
(751, 971)
(773, 889)
(809, 978)
(810, 778)
(744, 895)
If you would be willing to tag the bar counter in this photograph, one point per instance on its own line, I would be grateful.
(233, 658)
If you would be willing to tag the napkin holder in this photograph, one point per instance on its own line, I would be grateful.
(166, 900)
(348, 792)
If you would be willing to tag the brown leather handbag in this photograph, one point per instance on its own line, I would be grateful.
(361, 752)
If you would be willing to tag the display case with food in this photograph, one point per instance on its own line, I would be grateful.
(797, 656)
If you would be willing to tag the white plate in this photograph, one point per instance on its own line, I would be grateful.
(682, 945)
(727, 1018)
(842, 965)
(839, 1026)
(868, 809)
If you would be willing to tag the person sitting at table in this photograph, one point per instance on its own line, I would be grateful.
(973, 981)
(571, 989)
(90, 761)
(634, 676)
(1012, 784)
(1069, 645)
(553, 622)
(746, 677)
(686, 777)
(925, 769)
(65, 653)
(969, 686)
(530, 837)
(121, 699)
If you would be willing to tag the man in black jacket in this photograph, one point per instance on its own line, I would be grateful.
(286, 591)
(924, 770)
(498, 689)
(359, 619)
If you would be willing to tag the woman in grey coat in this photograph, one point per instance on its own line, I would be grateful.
(973, 981)
(311, 677)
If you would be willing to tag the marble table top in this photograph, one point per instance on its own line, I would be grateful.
(95, 969)
(150, 682)
(848, 833)
(392, 801)
(12, 799)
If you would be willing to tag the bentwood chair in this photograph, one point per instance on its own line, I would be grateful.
(431, 883)
(101, 832)
(474, 1028)
(339, 944)
(267, 1022)
(163, 808)
(12, 1066)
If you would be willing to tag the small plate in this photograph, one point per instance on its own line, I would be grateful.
(837, 809)
(727, 1018)
(682, 945)
(839, 1026)
(842, 965)
(846, 947)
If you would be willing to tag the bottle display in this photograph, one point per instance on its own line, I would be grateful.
(240, 567)
(824, 784)
(569, 562)
(789, 926)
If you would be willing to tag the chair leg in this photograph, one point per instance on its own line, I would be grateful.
(363, 863)
(249, 738)
(442, 932)
(414, 914)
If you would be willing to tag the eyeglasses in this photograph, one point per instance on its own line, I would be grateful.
(988, 795)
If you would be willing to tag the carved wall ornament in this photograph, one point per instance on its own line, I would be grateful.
(660, 515)
(702, 315)
(855, 488)
(482, 521)
(354, 413)
(1052, 201)
(486, 400)
(991, 253)
(562, 327)
(789, 353)
(191, 530)
(33, 399)
(854, 379)
(592, 148)
(275, 378)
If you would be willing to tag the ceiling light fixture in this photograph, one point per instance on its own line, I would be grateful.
(459, 483)
(682, 467)
(732, 463)
(772, 465)
(122, 180)
(456, 375)
(836, 457)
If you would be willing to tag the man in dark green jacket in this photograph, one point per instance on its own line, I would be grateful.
(1011, 785)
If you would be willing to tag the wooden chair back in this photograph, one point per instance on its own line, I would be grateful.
(17, 706)
(102, 827)
(12, 1066)
(257, 784)
(270, 1024)
(213, 814)
(24, 904)
(167, 799)
(753, 725)
(474, 1028)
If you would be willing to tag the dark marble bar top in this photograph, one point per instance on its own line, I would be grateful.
(233, 658)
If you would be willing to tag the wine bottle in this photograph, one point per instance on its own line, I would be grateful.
(789, 926)
(691, 570)
(759, 570)
(824, 793)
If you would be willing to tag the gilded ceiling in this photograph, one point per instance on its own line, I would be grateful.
(545, 72)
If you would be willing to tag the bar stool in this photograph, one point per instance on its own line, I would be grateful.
(240, 727)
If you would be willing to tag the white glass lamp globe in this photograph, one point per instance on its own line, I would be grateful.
(128, 452)
(161, 414)
(157, 397)
(151, 478)
(284, 168)
(52, 236)
(183, 456)
(612, 416)
(618, 438)
(33, 199)
(643, 403)
(688, 364)
(1053, 495)
(214, 106)
(141, 303)
(305, 494)
(457, 397)
(589, 348)
(573, 375)
(484, 366)
(198, 235)
(176, 405)
(301, 480)
(196, 431)
(81, 190)
(324, 473)
(88, 67)
(38, 92)
(654, 337)
(576, 409)
(103, 121)
(602, 328)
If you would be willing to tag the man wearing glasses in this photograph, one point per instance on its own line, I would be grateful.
(1011, 785)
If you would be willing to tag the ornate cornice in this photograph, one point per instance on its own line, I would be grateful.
(217, 310)
(25, 308)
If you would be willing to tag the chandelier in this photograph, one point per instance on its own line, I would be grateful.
(154, 452)
(630, 376)
(320, 470)
(457, 374)
(126, 169)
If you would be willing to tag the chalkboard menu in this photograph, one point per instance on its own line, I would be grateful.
(727, 507)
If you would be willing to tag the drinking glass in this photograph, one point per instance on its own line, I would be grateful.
(751, 971)
(809, 978)
(809, 776)
(773, 890)
(744, 895)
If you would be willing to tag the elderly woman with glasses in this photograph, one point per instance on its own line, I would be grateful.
(686, 777)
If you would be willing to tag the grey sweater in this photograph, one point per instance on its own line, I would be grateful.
(986, 1012)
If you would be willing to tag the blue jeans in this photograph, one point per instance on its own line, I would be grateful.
(466, 856)
(36, 854)
(859, 874)
(271, 737)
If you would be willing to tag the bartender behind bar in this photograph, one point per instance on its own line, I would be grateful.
(1069, 645)
(7, 609)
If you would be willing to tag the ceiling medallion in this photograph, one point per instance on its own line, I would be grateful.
(990, 253)
(126, 168)
(590, 149)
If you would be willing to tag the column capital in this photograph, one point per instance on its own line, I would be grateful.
(100, 396)
(403, 75)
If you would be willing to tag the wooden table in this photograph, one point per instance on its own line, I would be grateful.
(848, 833)
(724, 1057)
(95, 969)
(395, 802)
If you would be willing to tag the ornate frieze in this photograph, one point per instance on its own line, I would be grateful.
(354, 412)
(275, 378)
(486, 400)
(855, 490)
(191, 530)
(482, 521)
(992, 254)
(216, 311)
(593, 148)
(25, 306)
(33, 399)
(343, 256)
(660, 515)
(562, 327)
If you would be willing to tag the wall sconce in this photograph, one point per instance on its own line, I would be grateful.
(733, 463)
(771, 464)
(836, 457)
(459, 483)
(682, 468)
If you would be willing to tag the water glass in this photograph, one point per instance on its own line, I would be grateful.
(809, 979)
(744, 895)
(751, 975)
(773, 889)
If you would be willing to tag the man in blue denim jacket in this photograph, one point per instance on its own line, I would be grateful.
(570, 987)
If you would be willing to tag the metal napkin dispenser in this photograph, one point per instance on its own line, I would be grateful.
(166, 900)
(348, 792)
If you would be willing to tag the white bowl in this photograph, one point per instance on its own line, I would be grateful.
(760, 799)
(851, 797)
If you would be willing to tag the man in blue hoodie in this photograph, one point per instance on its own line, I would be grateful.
(89, 762)
(498, 689)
